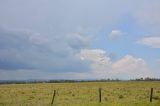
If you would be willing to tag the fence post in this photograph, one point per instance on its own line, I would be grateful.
(54, 94)
(151, 95)
(100, 95)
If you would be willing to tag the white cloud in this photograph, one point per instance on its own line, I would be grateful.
(99, 61)
(94, 55)
(102, 65)
(116, 34)
(151, 41)
(128, 63)
(130, 67)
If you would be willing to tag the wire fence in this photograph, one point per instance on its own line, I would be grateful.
(103, 95)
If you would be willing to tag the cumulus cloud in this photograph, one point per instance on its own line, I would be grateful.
(100, 63)
(130, 67)
(126, 67)
(152, 41)
(116, 34)
(94, 55)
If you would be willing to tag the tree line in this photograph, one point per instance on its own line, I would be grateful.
(73, 81)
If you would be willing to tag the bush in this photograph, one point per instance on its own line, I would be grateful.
(121, 96)
(156, 98)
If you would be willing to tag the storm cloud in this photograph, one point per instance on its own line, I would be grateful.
(44, 38)
(28, 50)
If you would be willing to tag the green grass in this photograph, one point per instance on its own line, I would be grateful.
(80, 94)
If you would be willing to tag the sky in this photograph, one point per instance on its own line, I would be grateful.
(79, 39)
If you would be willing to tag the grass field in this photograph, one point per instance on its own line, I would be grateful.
(127, 93)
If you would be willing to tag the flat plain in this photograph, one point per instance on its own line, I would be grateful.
(122, 93)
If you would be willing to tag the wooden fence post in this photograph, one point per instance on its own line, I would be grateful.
(151, 95)
(54, 94)
(100, 95)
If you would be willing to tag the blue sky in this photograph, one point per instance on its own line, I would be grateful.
(82, 39)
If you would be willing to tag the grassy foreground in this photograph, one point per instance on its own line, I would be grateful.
(81, 94)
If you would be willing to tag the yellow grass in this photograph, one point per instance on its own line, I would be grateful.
(80, 94)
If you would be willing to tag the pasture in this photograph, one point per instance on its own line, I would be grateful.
(123, 93)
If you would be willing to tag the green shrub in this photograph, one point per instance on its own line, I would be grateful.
(121, 96)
